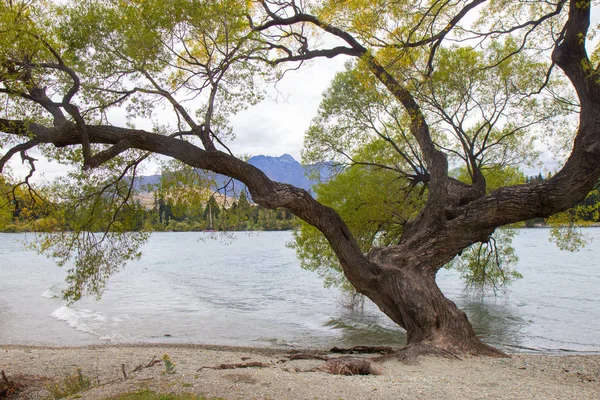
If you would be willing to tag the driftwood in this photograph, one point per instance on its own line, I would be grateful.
(152, 363)
(253, 364)
(351, 366)
(332, 365)
(364, 350)
(341, 365)
(306, 356)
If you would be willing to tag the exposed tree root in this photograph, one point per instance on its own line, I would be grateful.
(410, 353)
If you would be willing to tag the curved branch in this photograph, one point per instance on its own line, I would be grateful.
(440, 36)
(36, 95)
(570, 53)
(17, 149)
(533, 23)
(328, 53)
(299, 18)
(264, 191)
(436, 161)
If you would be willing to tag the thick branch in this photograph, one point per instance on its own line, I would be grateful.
(299, 18)
(570, 54)
(264, 191)
(327, 53)
(105, 155)
(435, 160)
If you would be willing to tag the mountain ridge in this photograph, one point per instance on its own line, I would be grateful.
(284, 168)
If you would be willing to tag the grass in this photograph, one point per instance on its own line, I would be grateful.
(147, 394)
(70, 385)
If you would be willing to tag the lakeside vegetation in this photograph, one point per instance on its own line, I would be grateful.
(24, 209)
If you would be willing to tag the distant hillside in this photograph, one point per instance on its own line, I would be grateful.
(281, 169)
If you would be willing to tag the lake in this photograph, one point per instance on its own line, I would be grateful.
(249, 290)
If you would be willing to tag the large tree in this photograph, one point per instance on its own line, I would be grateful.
(64, 69)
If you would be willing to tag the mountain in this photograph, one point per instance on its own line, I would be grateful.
(281, 169)
(145, 183)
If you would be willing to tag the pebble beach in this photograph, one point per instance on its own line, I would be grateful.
(115, 369)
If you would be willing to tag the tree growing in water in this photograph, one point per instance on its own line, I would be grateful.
(64, 68)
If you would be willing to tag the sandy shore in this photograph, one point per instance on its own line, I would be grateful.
(519, 377)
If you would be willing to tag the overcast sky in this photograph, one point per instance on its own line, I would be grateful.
(277, 125)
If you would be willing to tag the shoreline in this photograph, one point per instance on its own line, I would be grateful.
(258, 349)
(537, 226)
(523, 375)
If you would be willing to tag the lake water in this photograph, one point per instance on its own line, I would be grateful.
(251, 291)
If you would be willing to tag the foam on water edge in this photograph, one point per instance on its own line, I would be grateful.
(53, 292)
(80, 319)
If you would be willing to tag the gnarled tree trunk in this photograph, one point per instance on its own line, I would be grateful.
(434, 325)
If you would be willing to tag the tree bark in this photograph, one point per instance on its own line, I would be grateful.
(434, 324)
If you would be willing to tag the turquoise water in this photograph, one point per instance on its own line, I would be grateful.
(250, 290)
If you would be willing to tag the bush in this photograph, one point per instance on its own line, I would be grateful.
(70, 385)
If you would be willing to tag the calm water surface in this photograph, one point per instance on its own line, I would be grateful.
(252, 291)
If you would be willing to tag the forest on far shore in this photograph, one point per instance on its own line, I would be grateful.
(23, 210)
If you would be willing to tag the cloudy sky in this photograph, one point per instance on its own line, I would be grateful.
(277, 125)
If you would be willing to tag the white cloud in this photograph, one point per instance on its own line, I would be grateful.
(277, 125)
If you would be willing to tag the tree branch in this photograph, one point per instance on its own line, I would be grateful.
(265, 192)
(17, 149)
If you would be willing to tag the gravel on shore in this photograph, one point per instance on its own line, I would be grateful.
(523, 376)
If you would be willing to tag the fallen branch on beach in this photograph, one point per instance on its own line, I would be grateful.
(152, 363)
(306, 356)
(126, 376)
(253, 364)
(364, 350)
(341, 365)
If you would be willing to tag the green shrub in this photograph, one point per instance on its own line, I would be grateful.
(70, 385)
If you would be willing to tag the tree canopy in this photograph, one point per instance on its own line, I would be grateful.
(439, 99)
